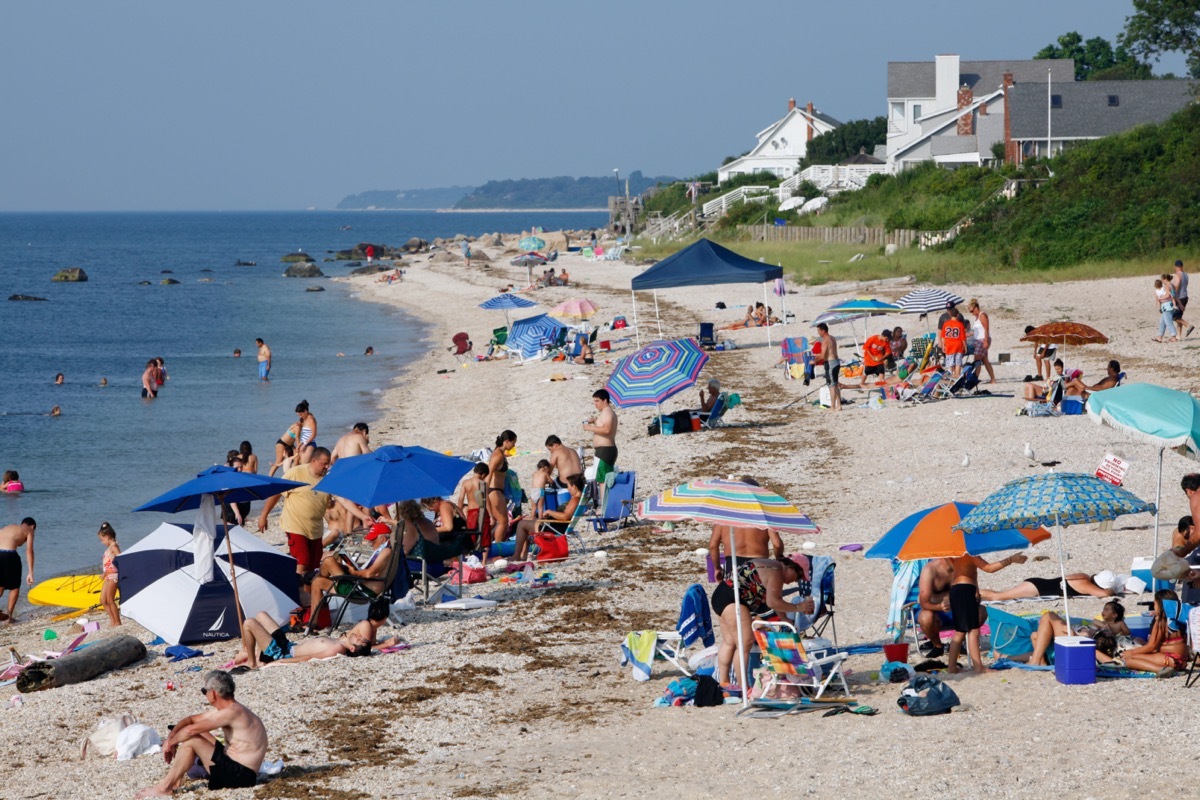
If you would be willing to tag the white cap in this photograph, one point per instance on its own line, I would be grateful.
(1106, 579)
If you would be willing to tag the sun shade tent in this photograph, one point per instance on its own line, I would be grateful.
(704, 263)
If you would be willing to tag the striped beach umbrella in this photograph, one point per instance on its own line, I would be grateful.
(930, 534)
(656, 372)
(531, 334)
(723, 502)
(505, 302)
(575, 308)
(925, 301)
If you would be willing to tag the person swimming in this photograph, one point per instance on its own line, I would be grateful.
(12, 482)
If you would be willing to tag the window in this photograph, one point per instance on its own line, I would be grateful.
(1113, 101)
(916, 111)
(1056, 101)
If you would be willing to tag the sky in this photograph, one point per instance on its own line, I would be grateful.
(155, 106)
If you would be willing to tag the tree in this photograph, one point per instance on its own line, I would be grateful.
(1164, 26)
(1096, 59)
(844, 141)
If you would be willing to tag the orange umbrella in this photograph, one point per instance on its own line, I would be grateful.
(1064, 333)
(931, 534)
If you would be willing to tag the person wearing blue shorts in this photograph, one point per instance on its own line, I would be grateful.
(264, 360)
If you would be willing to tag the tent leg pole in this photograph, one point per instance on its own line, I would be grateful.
(637, 332)
(657, 317)
(1157, 503)
(767, 315)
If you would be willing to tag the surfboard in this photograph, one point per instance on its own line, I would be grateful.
(68, 591)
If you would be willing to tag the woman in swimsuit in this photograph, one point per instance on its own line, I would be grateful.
(1165, 651)
(308, 432)
(108, 593)
(416, 526)
(285, 448)
(1052, 625)
(497, 479)
(553, 521)
(1079, 584)
(249, 460)
(760, 592)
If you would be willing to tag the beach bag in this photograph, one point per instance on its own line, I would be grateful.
(925, 696)
(1169, 567)
(470, 575)
(137, 740)
(551, 546)
(103, 740)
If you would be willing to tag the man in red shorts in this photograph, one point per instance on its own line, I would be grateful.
(303, 517)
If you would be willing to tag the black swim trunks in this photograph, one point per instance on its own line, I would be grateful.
(146, 393)
(608, 455)
(964, 607)
(225, 773)
(875, 370)
(10, 569)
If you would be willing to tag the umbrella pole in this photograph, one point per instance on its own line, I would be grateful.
(657, 318)
(741, 666)
(637, 332)
(1062, 568)
(237, 600)
(1157, 502)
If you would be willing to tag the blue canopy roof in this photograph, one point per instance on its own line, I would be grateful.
(705, 263)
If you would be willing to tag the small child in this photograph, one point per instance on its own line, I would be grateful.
(541, 479)
(469, 496)
(965, 608)
(108, 594)
(12, 482)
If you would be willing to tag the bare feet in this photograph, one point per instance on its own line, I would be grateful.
(152, 791)
(953, 669)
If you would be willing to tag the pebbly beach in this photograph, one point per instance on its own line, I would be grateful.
(528, 699)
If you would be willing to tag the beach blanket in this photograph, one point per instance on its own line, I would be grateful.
(638, 651)
(695, 619)
(1102, 670)
(907, 574)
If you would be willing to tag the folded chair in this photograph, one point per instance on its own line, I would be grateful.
(353, 590)
(429, 561)
(619, 489)
(708, 335)
(695, 624)
(790, 666)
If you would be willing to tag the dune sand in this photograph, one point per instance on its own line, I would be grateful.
(527, 699)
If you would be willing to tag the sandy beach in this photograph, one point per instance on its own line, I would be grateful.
(528, 699)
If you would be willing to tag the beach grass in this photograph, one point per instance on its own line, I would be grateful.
(816, 263)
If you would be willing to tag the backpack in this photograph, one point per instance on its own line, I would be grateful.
(925, 696)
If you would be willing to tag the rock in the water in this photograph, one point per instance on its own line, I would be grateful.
(369, 270)
(315, 289)
(26, 297)
(297, 258)
(168, 282)
(305, 269)
(354, 264)
(143, 283)
(70, 275)
(166, 272)
(206, 269)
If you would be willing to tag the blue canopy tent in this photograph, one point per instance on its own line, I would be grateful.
(530, 334)
(704, 263)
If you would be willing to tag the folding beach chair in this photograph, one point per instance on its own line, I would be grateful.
(618, 506)
(462, 344)
(572, 529)
(927, 390)
(694, 625)
(1193, 619)
(789, 665)
(428, 560)
(966, 381)
(796, 358)
(351, 590)
(708, 335)
(824, 600)
(712, 418)
(499, 336)
(589, 254)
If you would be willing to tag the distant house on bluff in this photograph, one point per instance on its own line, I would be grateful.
(781, 145)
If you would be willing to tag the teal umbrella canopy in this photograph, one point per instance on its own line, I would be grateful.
(1164, 417)
(1056, 498)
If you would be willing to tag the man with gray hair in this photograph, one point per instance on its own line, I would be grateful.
(232, 765)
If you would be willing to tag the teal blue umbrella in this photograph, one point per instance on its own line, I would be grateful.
(1166, 418)
(1055, 498)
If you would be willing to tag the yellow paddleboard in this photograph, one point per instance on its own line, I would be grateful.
(68, 591)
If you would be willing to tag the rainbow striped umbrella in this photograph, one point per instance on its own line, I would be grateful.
(656, 372)
(722, 502)
(930, 534)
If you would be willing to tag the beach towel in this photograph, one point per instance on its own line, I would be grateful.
(638, 651)
(180, 652)
(820, 565)
(695, 619)
(908, 574)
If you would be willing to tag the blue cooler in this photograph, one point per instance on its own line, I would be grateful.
(1141, 569)
(1074, 660)
(1139, 626)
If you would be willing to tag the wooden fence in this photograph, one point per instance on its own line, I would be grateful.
(868, 237)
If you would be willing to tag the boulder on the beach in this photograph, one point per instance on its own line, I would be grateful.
(297, 258)
(26, 297)
(370, 270)
(415, 245)
(445, 258)
(479, 255)
(70, 275)
(168, 282)
(495, 240)
(315, 289)
(305, 269)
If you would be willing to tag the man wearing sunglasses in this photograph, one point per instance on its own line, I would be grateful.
(232, 765)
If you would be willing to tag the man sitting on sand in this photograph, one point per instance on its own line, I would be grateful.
(265, 641)
(231, 765)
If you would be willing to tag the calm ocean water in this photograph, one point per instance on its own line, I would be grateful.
(110, 450)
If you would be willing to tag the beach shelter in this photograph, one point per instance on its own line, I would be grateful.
(722, 502)
(930, 533)
(162, 585)
(1166, 418)
(507, 301)
(1056, 498)
(531, 334)
(704, 263)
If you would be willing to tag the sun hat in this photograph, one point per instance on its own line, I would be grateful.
(1106, 579)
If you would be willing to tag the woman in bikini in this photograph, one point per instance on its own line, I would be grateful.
(308, 432)
(756, 317)
(108, 593)
(249, 460)
(285, 449)
(497, 479)
(1165, 651)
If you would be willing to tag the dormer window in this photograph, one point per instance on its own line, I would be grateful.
(1056, 101)
(1113, 101)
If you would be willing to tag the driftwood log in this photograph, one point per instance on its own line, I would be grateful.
(82, 665)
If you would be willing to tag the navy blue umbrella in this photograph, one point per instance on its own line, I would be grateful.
(531, 334)
(505, 302)
(220, 481)
(392, 474)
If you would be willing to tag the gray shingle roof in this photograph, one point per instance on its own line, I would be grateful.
(917, 78)
(1085, 110)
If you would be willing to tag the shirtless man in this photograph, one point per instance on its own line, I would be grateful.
(264, 360)
(833, 365)
(1077, 388)
(604, 434)
(563, 460)
(149, 387)
(12, 537)
(265, 642)
(469, 495)
(934, 598)
(965, 607)
(231, 765)
(354, 443)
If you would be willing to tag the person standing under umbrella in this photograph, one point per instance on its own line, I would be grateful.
(303, 517)
(965, 608)
(604, 434)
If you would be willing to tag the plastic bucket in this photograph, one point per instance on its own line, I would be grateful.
(605, 345)
(896, 652)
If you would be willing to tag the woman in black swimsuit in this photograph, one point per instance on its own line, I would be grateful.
(1079, 584)
(497, 478)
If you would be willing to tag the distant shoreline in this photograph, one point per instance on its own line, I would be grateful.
(487, 210)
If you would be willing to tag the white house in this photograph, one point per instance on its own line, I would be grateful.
(952, 111)
(781, 145)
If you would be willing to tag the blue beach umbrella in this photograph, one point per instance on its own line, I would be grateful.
(392, 474)
(1165, 418)
(505, 302)
(531, 243)
(656, 372)
(531, 334)
(1056, 498)
(865, 306)
(930, 533)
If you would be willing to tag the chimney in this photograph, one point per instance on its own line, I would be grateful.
(946, 81)
(791, 104)
(966, 123)
(809, 109)
(1010, 147)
